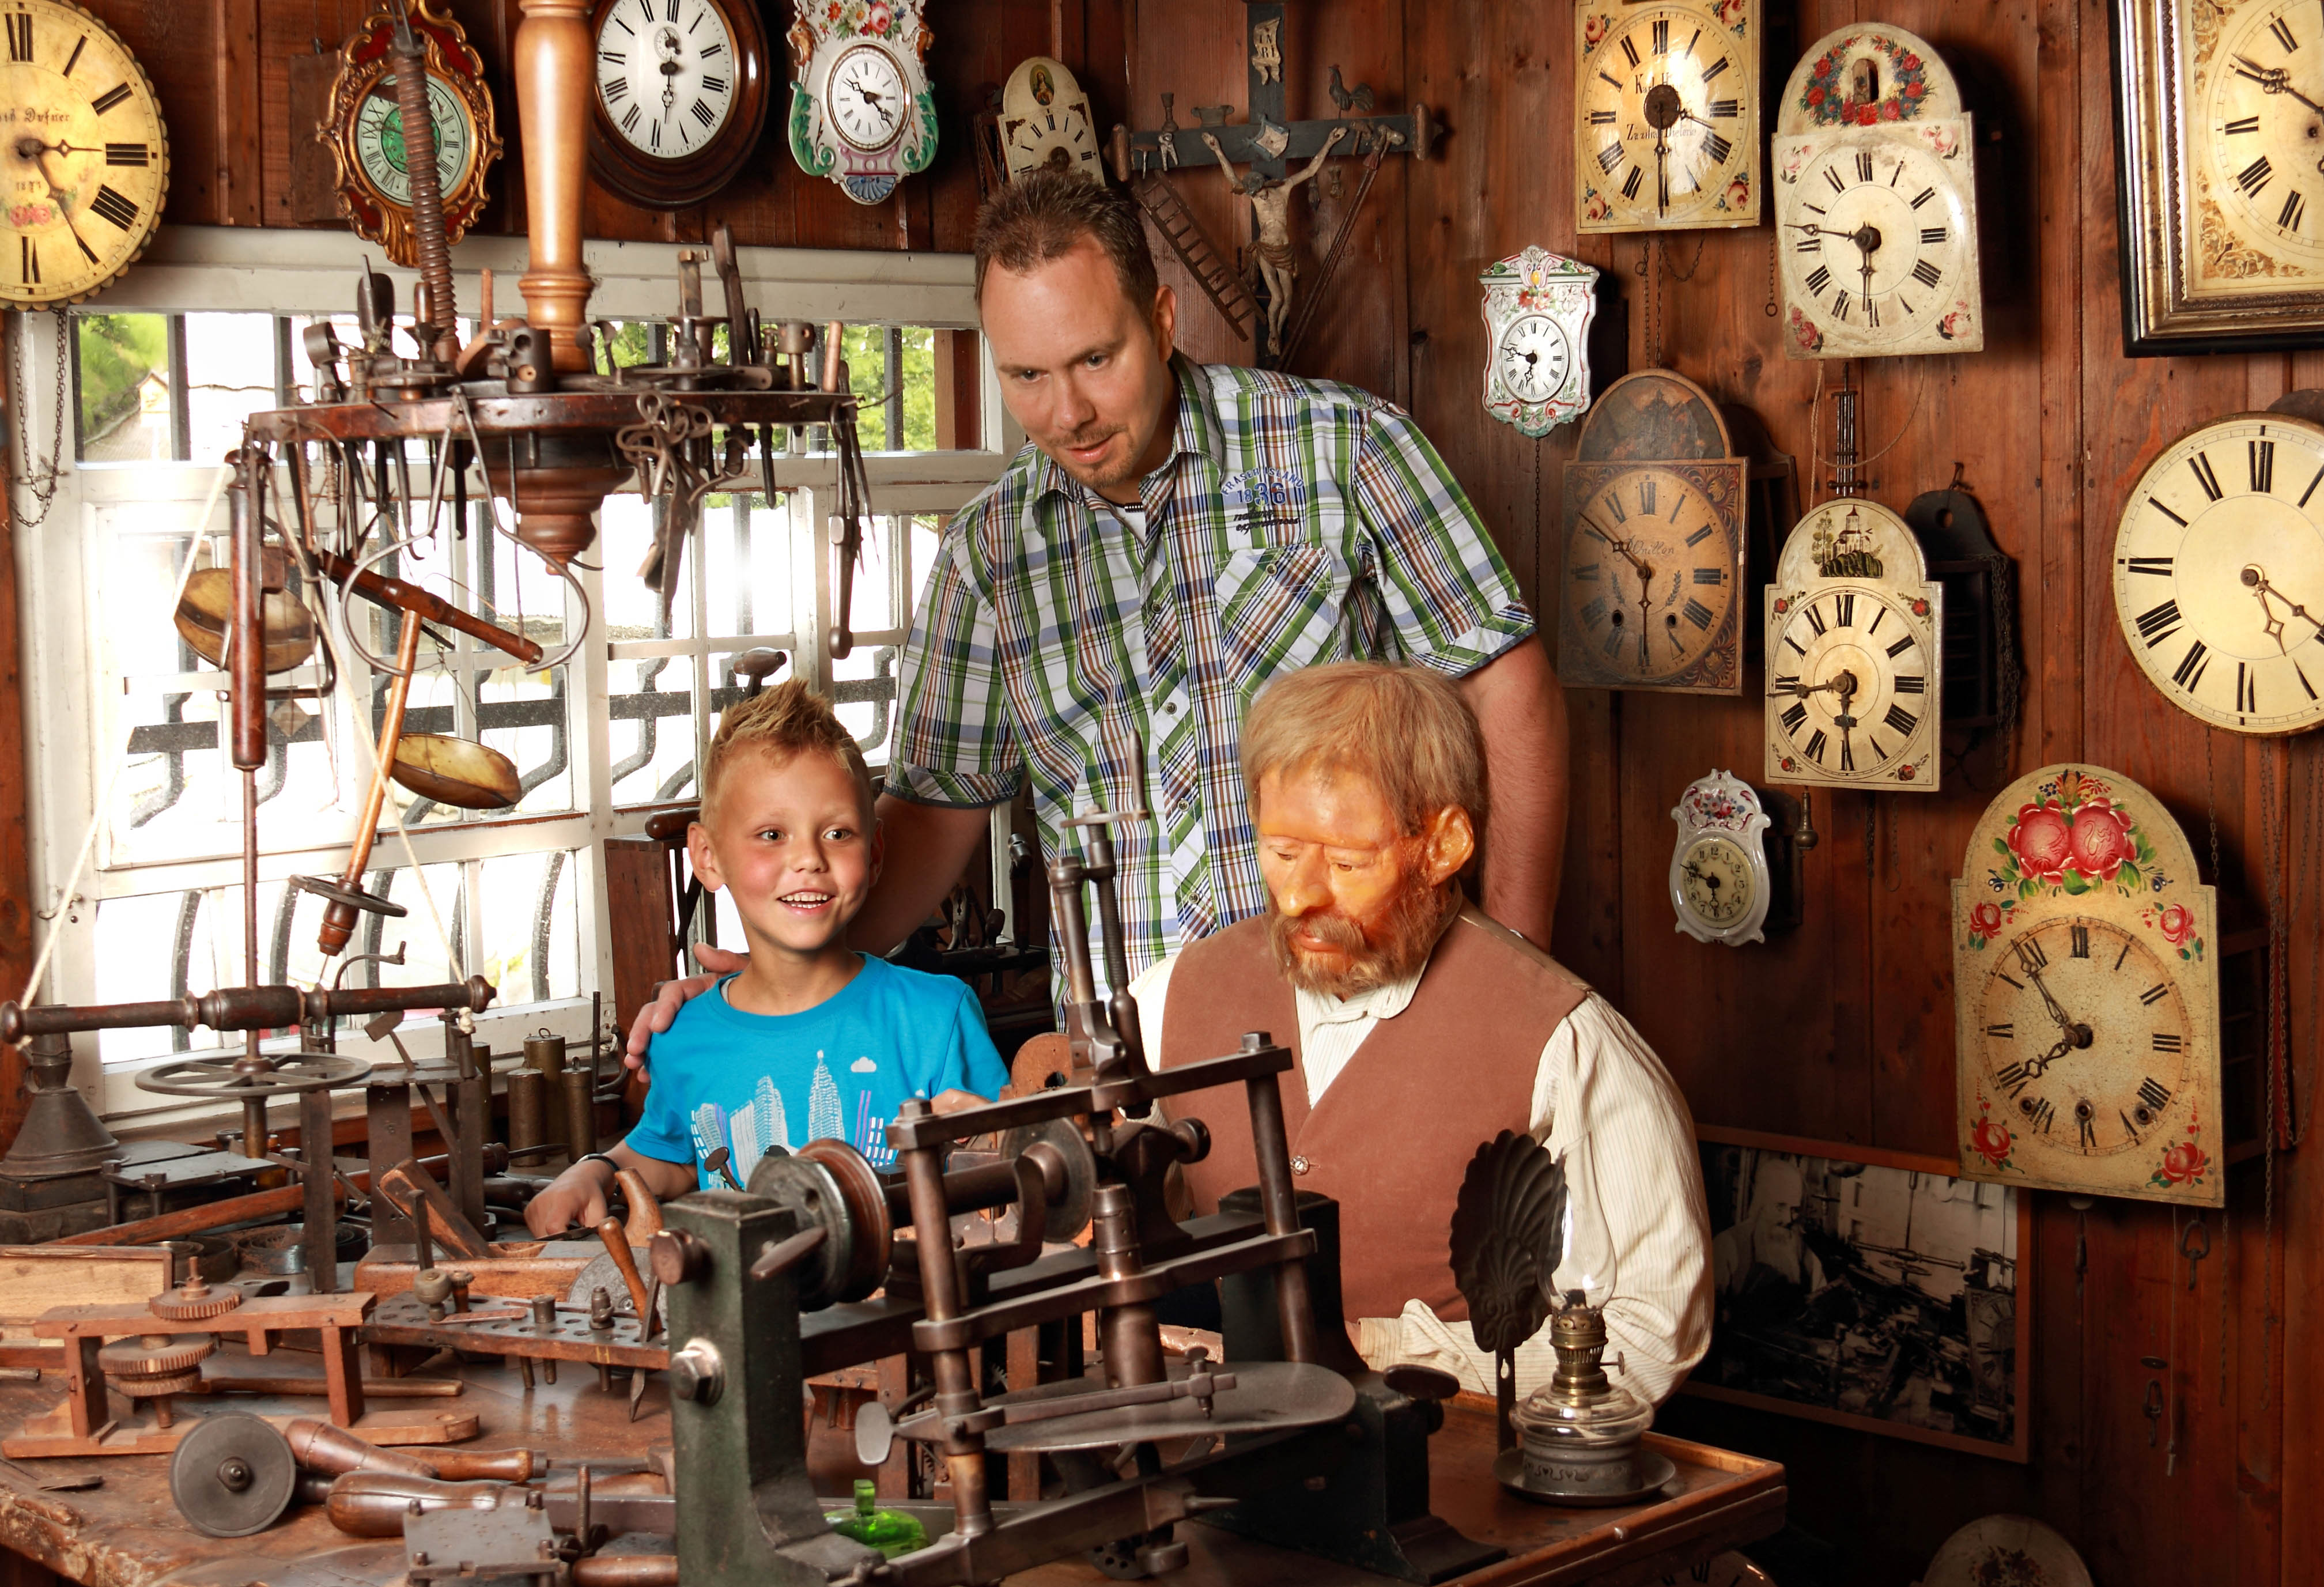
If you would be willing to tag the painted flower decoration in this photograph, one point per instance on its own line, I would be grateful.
(1730, 11)
(1594, 206)
(1985, 923)
(2176, 922)
(1805, 332)
(1992, 1142)
(1943, 142)
(2043, 841)
(2183, 1164)
(2101, 840)
(1739, 193)
(1953, 326)
(1593, 32)
(878, 19)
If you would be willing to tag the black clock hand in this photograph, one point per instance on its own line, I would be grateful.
(2036, 1066)
(2274, 80)
(2254, 578)
(1662, 178)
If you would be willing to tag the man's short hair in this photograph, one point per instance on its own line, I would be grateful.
(780, 724)
(1043, 215)
(1406, 729)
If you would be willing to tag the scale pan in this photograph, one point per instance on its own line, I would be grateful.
(206, 611)
(454, 772)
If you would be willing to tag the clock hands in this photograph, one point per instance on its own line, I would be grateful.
(2254, 578)
(2274, 80)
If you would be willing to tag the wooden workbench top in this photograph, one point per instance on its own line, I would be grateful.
(129, 1534)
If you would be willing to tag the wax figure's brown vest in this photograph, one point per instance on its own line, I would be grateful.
(1395, 1132)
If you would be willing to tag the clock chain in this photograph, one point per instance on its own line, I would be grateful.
(41, 479)
(1769, 308)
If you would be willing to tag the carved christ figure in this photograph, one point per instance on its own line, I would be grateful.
(1270, 209)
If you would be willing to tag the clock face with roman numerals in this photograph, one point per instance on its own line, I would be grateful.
(2218, 573)
(2086, 997)
(679, 99)
(1878, 243)
(86, 159)
(1666, 137)
(1652, 567)
(2258, 122)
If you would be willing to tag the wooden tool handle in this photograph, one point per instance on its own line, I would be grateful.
(411, 598)
(645, 1212)
(617, 1246)
(508, 1465)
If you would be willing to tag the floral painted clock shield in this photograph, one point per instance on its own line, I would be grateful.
(861, 111)
(1537, 311)
(2086, 995)
(1666, 96)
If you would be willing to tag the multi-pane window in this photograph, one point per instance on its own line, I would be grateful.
(126, 715)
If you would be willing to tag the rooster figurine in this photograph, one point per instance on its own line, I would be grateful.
(1359, 99)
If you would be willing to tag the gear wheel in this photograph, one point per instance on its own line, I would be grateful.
(155, 1387)
(194, 1301)
(154, 1355)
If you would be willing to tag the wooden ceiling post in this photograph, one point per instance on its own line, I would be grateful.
(552, 86)
(17, 917)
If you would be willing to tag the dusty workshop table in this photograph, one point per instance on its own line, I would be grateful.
(128, 1533)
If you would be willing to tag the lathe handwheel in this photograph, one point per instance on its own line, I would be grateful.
(233, 1475)
(227, 1080)
(355, 897)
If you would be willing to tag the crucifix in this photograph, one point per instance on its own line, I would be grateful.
(1267, 142)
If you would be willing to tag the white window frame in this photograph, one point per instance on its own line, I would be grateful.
(202, 269)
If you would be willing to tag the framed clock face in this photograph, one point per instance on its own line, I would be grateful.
(1533, 357)
(1854, 662)
(1652, 576)
(2222, 239)
(861, 111)
(2218, 573)
(2086, 1004)
(680, 96)
(869, 98)
(363, 129)
(1719, 884)
(1539, 308)
(1044, 121)
(1667, 114)
(86, 157)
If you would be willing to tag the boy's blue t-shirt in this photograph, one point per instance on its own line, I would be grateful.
(724, 1077)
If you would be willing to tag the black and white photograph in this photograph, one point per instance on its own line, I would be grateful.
(1870, 1293)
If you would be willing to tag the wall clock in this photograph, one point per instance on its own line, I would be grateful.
(1654, 511)
(1719, 883)
(680, 99)
(2085, 994)
(1875, 201)
(1855, 673)
(2218, 573)
(1539, 308)
(86, 159)
(861, 112)
(1666, 129)
(1044, 121)
(363, 130)
(2216, 118)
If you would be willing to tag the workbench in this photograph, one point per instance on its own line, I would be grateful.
(128, 1533)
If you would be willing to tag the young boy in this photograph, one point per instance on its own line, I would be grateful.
(811, 1039)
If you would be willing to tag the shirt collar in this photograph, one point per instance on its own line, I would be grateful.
(1384, 1001)
(1194, 432)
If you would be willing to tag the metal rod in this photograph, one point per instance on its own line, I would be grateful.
(940, 1299)
(1280, 1208)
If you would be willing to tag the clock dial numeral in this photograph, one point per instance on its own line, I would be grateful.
(1614, 505)
(1814, 747)
(2248, 124)
(1839, 305)
(1725, 109)
(1711, 73)
(1922, 197)
(1591, 573)
(1844, 608)
(1933, 234)
(1901, 646)
(701, 112)
(2283, 35)
(1817, 280)
(128, 154)
(1609, 158)
(1662, 35)
(2166, 512)
(2157, 624)
(717, 85)
(110, 98)
(2191, 667)
(2253, 177)
(2259, 459)
(1878, 616)
(2246, 690)
(2039, 1114)
(1646, 496)
(111, 206)
(1594, 612)
(1710, 576)
(28, 261)
(20, 36)
(2295, 209)
(2159, 566)
(1629, 50)
(2153, 994)
(1696, 613)
(1863, 165)
(73, 59)
(1613, 643)
(2079, 936)
(1601, 118)
(1716, 148)
(2304, 684)
(1900, 720)
(1831, 175)
(1913, 683)
(2085, 1126)
(2014, 1078)
(615, 89)
(2167, 1041)
(2030, 955)
(1815, 620)
(1699, 536)
(629, 121)
(2004, 1031)
(1793, 717)
(1926, 273)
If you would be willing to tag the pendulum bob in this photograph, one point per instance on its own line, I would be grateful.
(556, 483)
(51, 1183)
(455, 771)
(528, 1102)
(552, 60)
(205, 613)
(1373, 1512)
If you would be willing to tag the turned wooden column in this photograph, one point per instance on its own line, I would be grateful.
(552, 87)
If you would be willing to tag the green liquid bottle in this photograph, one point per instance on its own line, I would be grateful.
(891, 1532)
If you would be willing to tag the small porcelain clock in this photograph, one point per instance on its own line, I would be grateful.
(2085, 996)
(1719, 883)
(861, 111)
(1666, 134)
(2218, 573)
(1854, 669)
(1539, 308)
(1875, 201)
(1044, 121)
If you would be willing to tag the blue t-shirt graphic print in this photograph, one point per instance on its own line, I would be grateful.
(720, 1076)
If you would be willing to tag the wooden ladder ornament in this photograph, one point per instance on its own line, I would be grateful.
(1191, 244)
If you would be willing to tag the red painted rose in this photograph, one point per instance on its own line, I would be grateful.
(2184, 1163)
(1815, 95)
(1984, 921)
(1890, 110)
(1867, 116)
(1909, 62)
(2041, 841)
(1992, 1142)
(1915, 90)
(2101, 841)
(2177, 924)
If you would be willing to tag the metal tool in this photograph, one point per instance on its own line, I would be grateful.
(233, 1475)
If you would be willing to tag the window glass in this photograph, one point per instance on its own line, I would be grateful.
(122, 366)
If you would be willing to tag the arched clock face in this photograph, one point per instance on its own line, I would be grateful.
(667, 75)
(2085, 1038)
(85, 159)
(868, 97)
(2263, 130)
(1877, 240)
(379, 140)
(2218, 573)
(1847, 683)
(1669, 122)
(1715, 879)
(1534, 358)
(1649, 576)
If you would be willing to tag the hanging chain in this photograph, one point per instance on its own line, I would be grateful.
(41, 481)
(2211, 804)
(1688, 273)
(1769, 308)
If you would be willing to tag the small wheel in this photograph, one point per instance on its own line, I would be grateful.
(227, 1080)
(233, 1475)
(355, 897)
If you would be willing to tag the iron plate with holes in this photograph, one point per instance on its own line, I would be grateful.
(489, 1539)
(232, 1475)
(401, 1319)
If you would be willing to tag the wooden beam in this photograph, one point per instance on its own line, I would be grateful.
(18, 922)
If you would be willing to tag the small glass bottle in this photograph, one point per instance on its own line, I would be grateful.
(891, 1532)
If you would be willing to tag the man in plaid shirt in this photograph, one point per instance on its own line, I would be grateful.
(1176, 535)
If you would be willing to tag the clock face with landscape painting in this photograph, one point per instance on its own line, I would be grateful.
(2087, 1007)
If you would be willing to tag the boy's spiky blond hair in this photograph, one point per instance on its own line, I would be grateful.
(787, 720)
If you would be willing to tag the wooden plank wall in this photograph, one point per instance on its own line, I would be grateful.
(1842, 1030)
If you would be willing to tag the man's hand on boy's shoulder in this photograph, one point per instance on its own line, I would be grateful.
(670, 996)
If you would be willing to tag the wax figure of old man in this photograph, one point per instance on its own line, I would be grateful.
(1422, 1029)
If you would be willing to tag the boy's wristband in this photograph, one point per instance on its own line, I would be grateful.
(598, 1157)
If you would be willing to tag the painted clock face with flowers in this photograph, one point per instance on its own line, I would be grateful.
(2085, 996)
(861, 111)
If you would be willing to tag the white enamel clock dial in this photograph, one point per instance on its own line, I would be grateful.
(1669, 116)
(665, 74)
(869, 99)
(1878, 245)
(1535, 357)
(2262, 128)
(1719, 883)
(2218, 573)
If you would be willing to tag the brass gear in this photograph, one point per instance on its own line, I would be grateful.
(152, 1388)
(156, 1355)
(195, 1300)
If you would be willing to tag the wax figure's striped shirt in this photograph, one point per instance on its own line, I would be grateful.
(1296, 521)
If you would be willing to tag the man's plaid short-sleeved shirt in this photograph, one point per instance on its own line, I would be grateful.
(1296, 522)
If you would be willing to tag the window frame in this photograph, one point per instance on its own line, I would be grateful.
(71, 753)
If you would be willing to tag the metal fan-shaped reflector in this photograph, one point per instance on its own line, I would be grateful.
(1509, 1235)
